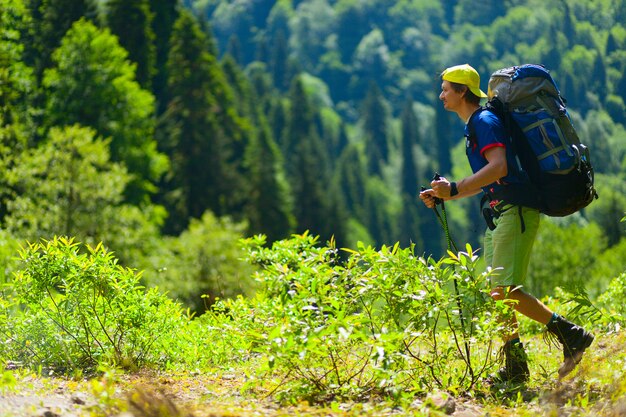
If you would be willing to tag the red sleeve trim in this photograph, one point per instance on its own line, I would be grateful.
(493, 145)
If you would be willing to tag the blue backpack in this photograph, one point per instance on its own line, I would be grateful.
(555, 166)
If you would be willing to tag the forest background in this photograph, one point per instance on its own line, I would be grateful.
(169, 130)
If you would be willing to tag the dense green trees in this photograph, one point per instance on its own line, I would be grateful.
(270, 207)
(165, 14)
(51, 19)
(93, 84)
(202, 131)
(68, 186)
(410, 178)
(375, 130)
(131, 21)
(308, 169)
(134, 122)
(17, 84)
(203, 263)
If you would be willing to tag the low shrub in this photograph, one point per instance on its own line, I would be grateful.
(610, 300)
(79, 309)
(219, 337)
(384, 321)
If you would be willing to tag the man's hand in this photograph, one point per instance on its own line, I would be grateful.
(428, 198)
(441, 187)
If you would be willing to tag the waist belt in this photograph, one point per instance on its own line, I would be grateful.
(495, 208)
(500, 208)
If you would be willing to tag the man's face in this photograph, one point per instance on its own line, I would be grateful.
(451, 98)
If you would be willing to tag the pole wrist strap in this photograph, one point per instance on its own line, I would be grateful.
(453, 190)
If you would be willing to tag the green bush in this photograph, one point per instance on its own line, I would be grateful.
(612, 300)
(8, 248)
(5, 311)
(218, 337)
(79, 309)
(607, 266)
(202, 264)
(381, 322)
(564, 255)
(69, 186)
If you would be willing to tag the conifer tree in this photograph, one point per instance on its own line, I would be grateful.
(569, 28)
(270, 209)
(409, 222)
(374, 119)
(307, 166)
(551, 58)
(203, 131)
(261, 83)
(352, 177)
(621, 86)
(278, 122)
(30, 35)
(612, 44)
(336, 224)
(249, 118)
(279, 65)
(278, 18)
(300, 120)
(599, 78)
(448, 8)
(234, 49)
(351, 27)
(610, 212)
(478, 13)
(431, 235)
(342, 140)
(245, 98)
(309, 189)
(443, 139)
(619, 11)
(131, 21)
(261, 10)
(236, 19)
(410, 138)
(572, 90)
(165, 14)
(53, 19)
(262, 51)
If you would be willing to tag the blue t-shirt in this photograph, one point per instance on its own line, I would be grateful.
(488, 132)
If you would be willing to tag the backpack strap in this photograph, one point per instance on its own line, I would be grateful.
(526, 166)
(522, 193)
(471, 136)
(496, 107)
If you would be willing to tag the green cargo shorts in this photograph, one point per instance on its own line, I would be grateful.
(507, 249)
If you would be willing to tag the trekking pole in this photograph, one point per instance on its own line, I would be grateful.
(443, 219)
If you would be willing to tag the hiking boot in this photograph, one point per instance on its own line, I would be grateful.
(515, 368)
(574, 339)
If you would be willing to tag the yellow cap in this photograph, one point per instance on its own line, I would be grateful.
(466, 75)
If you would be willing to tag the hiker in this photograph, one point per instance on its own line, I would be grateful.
(507, 247)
